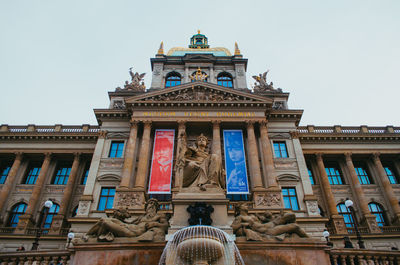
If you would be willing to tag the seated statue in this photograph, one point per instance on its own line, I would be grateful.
(199, 168)
(151, 226)
(259, 227)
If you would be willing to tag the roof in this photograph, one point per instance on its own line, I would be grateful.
(217, 51)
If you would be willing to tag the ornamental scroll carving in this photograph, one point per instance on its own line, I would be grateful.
(197, 94)
(129, 200)
(267, 200)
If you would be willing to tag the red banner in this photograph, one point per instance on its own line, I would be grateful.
(161, 164)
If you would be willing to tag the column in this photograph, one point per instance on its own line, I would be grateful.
(256, 181)
(216, 144)
(143, 156)
(25, 220)
(129, 158)
(7, 187)
(337, 220)
(57, 223)
(186, 77)
(178, 164)
(268, 158)
(387, 187)
(212, 78)
(360, 196)
(87, 197)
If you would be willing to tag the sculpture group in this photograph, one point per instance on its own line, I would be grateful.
(136, 83)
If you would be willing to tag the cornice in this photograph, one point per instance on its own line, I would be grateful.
(339, 138)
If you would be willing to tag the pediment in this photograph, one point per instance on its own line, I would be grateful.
(199, 92)
(108, 177)
(288, 177)
(204, 56)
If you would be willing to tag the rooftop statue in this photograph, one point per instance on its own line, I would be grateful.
(136, 83)
(196, 167)
(262, 84)
(198, 76)
(260, 227)
(151, 226)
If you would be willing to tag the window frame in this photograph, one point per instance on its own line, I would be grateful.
(173, 75)
(290, 198)
(61, 175)
(346, 213)
(85, 174)
(334, 174)
(29, 177)
(53, 211)
(278, 151)
(223, 78)
(118, 152)
(364, 178)
(107, 198)
(379, 214)
(4, 171)
(14, 215)
(393, 178)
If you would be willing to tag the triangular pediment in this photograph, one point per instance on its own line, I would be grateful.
(199, 92)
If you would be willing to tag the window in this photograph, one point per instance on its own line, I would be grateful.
(51, 213)
(363, 175)
(334, 176)
(225, 79)
(16, 211)
(290, 198)
(173, 79)
(280, 149)
(377, 210)
(345, 212)
(74, 212)
(61, 178)
(391, 175)
(106, 199)
(237, 197)
(117, 147)
(32, 176)
(85, 175)
(3, 174)
(311, 176)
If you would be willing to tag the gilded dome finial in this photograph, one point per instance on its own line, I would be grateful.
(237, 51)
(161, 49)
(198, 31)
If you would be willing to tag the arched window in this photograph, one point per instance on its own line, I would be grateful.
(225, 79)
(345, 212)
(377, 210)
(74, 212)
(173, 79)
(51, 213)
(16, 211)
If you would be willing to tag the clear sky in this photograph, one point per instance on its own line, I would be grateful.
(339, 60)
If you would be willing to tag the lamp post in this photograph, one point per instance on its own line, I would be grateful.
(349, 204)
(326, 235)
(71, 236)
(47, 205)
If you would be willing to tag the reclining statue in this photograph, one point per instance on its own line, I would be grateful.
(151, 226)
(259, 227)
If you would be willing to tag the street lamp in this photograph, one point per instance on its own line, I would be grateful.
(47, 205)
(349, 204)
(71, 236)
(326, 235)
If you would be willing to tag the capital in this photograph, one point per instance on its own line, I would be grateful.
(147, 124)
(216, 123)
(134, 123)
(250, 123)
(376, 156)
(318, 156)
(77, 155)
(47, 155)
(18, 155)
(102, 134)
(348, 155)
(181, 124)
(294, 134)
(263, 123)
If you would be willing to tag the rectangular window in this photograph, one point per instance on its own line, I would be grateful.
(61, 178)
(280, 149)
(334, 176)
(32, 176)
(106, 198)
(363, 175)
(290, 198)
(116, 149)
(237, 197)
(391, 176)
(4, 173)
(311, 177)
(85, 175)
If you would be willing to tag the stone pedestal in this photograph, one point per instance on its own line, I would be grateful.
(189, 196)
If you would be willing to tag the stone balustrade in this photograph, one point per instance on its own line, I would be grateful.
(348, 129)
(58, 128)
(364, 256)
(35, 257)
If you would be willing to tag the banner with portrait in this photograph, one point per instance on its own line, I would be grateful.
(161, 163)
(235, 163)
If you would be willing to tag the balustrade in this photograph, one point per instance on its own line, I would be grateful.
(35, 257)
(364, 256)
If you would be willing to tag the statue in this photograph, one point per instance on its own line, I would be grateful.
(136, 83)
(151, 226)
(263, 226)
(262, 83)
(198, 76)
(196, 166)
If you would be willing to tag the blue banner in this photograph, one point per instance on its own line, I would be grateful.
(235, 163)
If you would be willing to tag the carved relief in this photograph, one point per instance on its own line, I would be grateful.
(119, 104)
(312, 207)
(283, 164)
(129, 200)
(111, 164)
(157, 70)
(267, 200)
(83, 208)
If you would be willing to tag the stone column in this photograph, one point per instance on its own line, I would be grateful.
(58, 220)
(7, 187)
(387, 187)
(143, 157)
(186, 77)
(370, 219)
(336, 219)
(87, 197)
(216, 144)
(268, 158)
(178, 173)
(212, 78)
(25, 220)
(256, 181)
(129, 158)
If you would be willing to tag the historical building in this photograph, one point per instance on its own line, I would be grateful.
(199, 134)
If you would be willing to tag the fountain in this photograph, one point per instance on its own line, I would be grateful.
(201, 245)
